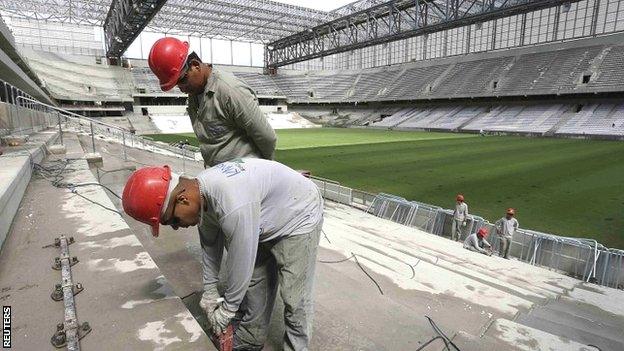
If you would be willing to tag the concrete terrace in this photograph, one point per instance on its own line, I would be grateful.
(140, 292)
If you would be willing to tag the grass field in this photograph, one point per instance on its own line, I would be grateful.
(562, 186)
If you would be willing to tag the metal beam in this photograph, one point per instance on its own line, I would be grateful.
(391, 21)
(125, 21)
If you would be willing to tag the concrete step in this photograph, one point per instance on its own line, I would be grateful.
(573, 331)
(580, 310)
(468, 342)
(521, 337)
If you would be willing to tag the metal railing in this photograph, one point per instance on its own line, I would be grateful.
(92, 127)
(585, 259)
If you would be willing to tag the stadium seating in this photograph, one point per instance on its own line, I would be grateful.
(262, 84)
(74, 77)
(596, 119)
(512, 73)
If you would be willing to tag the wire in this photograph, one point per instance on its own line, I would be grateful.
(325, 235)
(339, 261)
(95, 202)
(354, 256)
(368, 275)
(447, 342)
(55, 172)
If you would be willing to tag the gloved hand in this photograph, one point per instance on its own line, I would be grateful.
(220, 319)
(464, 224)
(208, 301)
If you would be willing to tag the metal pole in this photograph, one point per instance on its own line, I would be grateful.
(123, 138)
(60, 127)
(184, 159)
(92, 136)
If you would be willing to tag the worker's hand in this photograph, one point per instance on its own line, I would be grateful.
(208, 301)
(220, 319)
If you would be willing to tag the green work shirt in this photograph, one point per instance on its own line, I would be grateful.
(228, 122)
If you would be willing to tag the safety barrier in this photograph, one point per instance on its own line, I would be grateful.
(93, 127)
(581, 258)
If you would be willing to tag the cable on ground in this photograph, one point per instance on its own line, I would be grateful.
(354, 256)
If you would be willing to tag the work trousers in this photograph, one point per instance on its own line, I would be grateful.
(287, 264)
(505, 244)
(457, 229)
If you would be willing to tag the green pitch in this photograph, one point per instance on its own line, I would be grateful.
(562, 186)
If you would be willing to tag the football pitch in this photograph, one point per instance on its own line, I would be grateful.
(567, 187)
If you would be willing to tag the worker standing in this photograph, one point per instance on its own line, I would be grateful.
(224, 110)
(267, 216)
(505, 228)
(476, 242)
(460, 215)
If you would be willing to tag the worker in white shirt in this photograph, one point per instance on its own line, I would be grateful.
(476, 242)
(267, 216)
(459, 218)
(505, 228)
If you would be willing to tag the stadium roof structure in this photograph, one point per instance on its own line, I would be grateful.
(370, 22)
(245, 20)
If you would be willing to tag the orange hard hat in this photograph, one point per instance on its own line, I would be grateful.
(511, 211)
(483, 232)
(166, 59)
(460, 197)
(145, 193)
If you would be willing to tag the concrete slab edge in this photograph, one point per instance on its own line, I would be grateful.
(11, 198)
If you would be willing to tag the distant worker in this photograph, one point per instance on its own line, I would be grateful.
(267, 216)
(460, 216)
(476, 242)
(223, 109)
(505, 228)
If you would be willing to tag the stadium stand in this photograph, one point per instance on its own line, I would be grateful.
(596, 119)
(79, 78)
(144, 82)
(567, 68)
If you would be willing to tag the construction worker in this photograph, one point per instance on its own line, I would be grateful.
(224, 111)
(476, 242)
(505, 228)
(460, 215)
(267, 216)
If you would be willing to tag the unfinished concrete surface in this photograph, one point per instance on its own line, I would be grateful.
(482, 303)
(127, 301)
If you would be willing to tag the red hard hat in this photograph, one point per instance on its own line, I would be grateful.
(145, 193)
(482, 232)
(166, 59)
(460, 197)
(511, 211)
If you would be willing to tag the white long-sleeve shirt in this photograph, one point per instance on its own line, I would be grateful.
(250, 201)
(507, 227)
(461, 211)
(475, 242)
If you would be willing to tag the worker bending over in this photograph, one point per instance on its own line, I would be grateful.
(267, 216)
(223, 109)
(505, 228)
(476, 242)
(460, 216)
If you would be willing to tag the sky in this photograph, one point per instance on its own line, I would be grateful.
(325, 5)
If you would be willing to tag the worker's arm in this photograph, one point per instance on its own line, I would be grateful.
(499, 225)
(243, 108)
(486, 243)
(474, 242)
(212, 251)
(241, 229)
